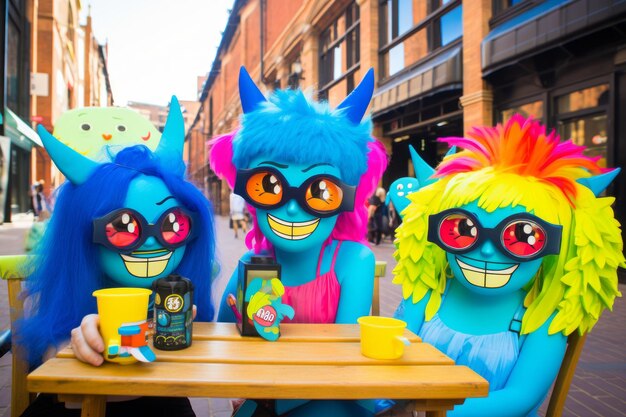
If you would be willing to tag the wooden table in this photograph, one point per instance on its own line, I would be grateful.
(309, 361)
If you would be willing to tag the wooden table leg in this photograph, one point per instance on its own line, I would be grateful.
(436, 413)
(434, 408)
(94, 406)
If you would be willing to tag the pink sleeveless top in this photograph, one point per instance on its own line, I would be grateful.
(317, 300)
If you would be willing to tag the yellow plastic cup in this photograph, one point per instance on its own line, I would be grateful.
(381, 337)
(119, 307)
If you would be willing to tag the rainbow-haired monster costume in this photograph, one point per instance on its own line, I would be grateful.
(306, 171)
(506, 254)
(120, 223)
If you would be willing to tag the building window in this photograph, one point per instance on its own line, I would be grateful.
(436, 4)
(273, 82)
(590, 131)
(400, 17)
(70, 23)
(504, 10)
(587, 98)
(502, 5)
(13, 67)
(449, 27)
(410, 30)
(295, 74)
(396, 59)
(533, 109)
(582, 117)
(339, 51)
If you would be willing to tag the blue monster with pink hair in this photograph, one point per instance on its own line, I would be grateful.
(306, 171)
(123, 223)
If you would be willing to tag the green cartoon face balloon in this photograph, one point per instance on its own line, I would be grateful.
(88, 130)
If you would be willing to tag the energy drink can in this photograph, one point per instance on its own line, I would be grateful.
(173, 312)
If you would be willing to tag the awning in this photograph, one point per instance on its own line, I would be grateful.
(542, 26)
(444, 69)
(21, 130)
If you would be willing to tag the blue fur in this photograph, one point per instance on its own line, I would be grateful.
(295, 130)
(66, 270)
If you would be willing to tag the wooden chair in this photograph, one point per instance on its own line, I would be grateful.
(11, 270)
(379, 272)
(575, 344)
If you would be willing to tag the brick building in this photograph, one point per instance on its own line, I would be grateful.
(441, 67)
(74, 68)
(157, 114)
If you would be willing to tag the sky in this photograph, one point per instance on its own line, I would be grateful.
(157, 48)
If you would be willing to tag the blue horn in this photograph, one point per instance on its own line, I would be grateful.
(423, 171)
(598, 183)
(249, 94)
(356, 103)
(173, 137)
(76, 167)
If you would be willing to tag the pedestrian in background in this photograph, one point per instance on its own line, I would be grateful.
(378, 217)
(237, 215)
(39, 202)
(394, 220)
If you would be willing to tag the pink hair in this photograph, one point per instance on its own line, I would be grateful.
(350, 225)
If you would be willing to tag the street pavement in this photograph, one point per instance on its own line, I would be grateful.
(598, 389)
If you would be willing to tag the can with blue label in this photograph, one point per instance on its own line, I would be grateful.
(173, 312)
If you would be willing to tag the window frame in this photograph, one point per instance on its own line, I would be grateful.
(608, 109)
(353, 46)
(499, 16)
(551, 117)
(543, 97)
(429, 23)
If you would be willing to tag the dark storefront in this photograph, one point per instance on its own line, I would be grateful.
(419, 124)
(16, 136)
(565, 64)
(417, 108)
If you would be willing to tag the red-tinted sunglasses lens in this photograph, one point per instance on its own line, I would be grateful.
(175, 227)
(523, 238)
(123, 230)
(458, 231)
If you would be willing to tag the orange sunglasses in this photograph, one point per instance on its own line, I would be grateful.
(320, 195)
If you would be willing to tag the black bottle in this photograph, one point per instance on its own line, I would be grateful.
(173, 312)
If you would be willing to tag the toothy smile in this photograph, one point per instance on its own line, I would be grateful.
(486, 278)
(292, 231)
(146, 267)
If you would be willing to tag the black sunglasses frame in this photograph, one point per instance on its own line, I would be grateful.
(297, 193)
(553, 233)
(147, 229)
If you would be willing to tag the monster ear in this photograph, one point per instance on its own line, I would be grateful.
(249, 93)
(451, 151)
(76, 167)
(423, 171)
(358, 100)
(598, 183)
(173, 137)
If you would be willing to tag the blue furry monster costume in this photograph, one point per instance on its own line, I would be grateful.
(136, 189)
(305, 171)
